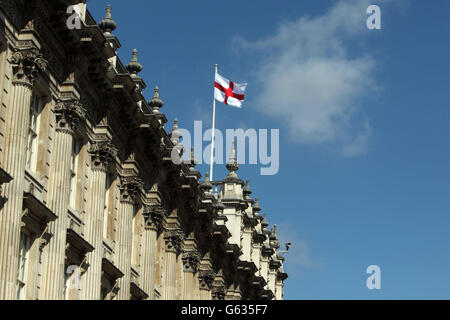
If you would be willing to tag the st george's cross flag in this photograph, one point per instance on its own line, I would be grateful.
(228, 92)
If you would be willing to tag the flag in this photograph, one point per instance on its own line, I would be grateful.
(228, 92)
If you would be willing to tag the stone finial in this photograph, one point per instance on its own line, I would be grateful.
(206, 185)
(247, 190)
(175, 133)
(219, 205)
(274, 238)
(192, 160)
(134, 67)
(232, 164)
(107, 25)
(156, 103)
(264, 222)
(256, 207)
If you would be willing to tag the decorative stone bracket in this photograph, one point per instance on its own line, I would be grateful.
(219, 293)
(103, 154)
(174, 240)
(130, 187)
(191, 260)
(69, 114)
(206, 278)
(154, 216)
(27, 64)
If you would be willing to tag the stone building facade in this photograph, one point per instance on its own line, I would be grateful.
(91, 204)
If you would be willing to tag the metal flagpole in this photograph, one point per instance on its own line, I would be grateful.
(213, 129)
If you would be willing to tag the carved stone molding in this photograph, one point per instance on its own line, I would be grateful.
(69, 114)
(206, 278)
(154, 216)
(174, 240)
(191, 260)
(219, 293)
(27, 64)
(130, 187)
(103, 154)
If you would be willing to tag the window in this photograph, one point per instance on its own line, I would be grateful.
(33, 131)
(23, 265)
(76, 147)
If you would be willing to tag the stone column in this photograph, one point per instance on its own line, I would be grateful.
(27, 64)
(68, 115)
(103, 153)
(206, 279)
(153, 216)
(173, 240)
(191, 260)
(129, 190)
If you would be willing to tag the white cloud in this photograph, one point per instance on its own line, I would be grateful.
(308, 79)
(298, 255)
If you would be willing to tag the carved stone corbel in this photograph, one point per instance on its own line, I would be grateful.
(154, 216)
(219, 293)
(130, 188)
(191, 260)
(174, 240)
(27, 63)
(69, 113)
(206, 279)
(103, 153)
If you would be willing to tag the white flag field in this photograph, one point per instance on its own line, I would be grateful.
(229, 92)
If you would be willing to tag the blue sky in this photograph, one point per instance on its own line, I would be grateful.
(363, 116)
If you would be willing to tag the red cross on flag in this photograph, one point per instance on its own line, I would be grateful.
(228, 92)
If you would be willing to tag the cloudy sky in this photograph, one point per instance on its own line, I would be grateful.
(363, 116)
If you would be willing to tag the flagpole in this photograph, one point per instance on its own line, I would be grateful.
(213, 130)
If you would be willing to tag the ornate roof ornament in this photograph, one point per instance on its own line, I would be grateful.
(27, 63)
(247, 191)
(274, 238)
(256, 207)
(103, 154)
(219, 205)
(264, 222)
(134, 67)
(175, 133)
(192, 161)
(232, 164)
(107, 25)
(156, 103)
(206, 185)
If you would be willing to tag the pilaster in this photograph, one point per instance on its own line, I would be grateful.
(68, 115)
(27, 64)
(102, 153)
